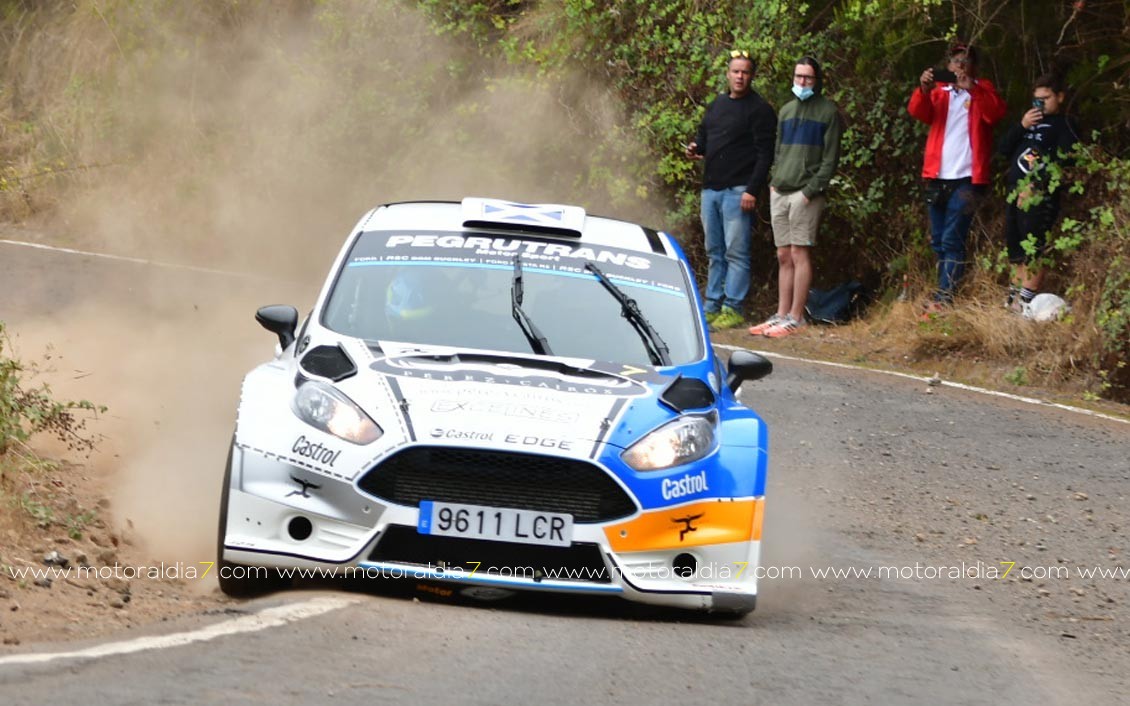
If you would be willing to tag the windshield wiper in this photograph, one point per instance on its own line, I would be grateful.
(537, 341)
(657, 350)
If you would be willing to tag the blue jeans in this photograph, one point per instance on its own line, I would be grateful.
(727, 229)
(949, 228)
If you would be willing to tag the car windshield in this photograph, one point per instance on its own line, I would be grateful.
(456, 290)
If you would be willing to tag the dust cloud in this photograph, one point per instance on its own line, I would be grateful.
(258, 148)
(252, 144)
(164, 350)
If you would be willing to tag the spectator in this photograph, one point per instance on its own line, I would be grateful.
(736, 139)
(1044, 136)
(808, 149)
(960, 109)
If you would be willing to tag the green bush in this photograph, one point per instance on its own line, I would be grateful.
(26, 411)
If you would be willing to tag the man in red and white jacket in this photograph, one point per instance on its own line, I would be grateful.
(961, 110)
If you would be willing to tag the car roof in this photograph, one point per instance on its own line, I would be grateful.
(480, 214)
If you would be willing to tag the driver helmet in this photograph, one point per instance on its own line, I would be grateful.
(410, 301)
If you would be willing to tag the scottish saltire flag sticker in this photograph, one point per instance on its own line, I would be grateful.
(545, 215)
(530, 213)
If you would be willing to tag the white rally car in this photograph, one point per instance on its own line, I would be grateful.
(503, 396)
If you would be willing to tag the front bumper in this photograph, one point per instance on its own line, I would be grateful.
(701, 555)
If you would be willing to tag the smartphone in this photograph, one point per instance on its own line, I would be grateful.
(1038, 104)
(945, 76)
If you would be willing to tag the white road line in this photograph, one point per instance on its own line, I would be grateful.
(135, 260)
(947, 383)
(269, 618)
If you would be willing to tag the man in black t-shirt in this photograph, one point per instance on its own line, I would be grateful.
(1035, 148)
(736, 138)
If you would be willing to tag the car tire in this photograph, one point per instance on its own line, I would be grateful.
(240, 580)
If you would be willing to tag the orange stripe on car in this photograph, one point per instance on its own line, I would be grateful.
(696, 524)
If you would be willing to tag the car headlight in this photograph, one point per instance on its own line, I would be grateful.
(684, 440)
(322, 406)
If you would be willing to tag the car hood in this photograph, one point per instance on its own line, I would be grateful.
(436, 396)
(479, 398)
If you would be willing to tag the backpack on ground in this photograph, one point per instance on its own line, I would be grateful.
(837, 305)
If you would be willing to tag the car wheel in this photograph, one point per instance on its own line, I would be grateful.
(239, 580)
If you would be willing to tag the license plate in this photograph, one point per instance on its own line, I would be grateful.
(495, 523)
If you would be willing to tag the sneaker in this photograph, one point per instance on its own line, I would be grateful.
(727, 318)
(1023, 301)
(788, 325)
(711, 316)
(769, 323)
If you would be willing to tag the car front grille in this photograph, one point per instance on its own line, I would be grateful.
(499, 479)
(580, 561)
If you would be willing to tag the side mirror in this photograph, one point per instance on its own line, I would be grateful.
(746, 365)
(280, 320)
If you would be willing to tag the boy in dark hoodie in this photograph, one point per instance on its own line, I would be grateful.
(1043, 137)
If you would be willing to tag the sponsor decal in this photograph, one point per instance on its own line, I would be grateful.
(462, 434)
(688, 520)
(304, 485)
(506, 409)
(315, 452)
(689, 484)
(541, 442)
(424, 369)
(436, 590)
(508, 247)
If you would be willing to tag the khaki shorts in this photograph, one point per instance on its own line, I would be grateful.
(794, 221)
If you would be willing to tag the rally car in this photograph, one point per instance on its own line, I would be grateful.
(499, 396)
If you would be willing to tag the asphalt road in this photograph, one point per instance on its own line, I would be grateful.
(866, 471)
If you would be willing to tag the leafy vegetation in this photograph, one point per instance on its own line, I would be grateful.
(1018, 376)
(26, 411)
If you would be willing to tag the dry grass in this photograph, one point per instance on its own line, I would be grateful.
(976, 341)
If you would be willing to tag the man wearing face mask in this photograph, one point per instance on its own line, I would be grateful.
(808, 150)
